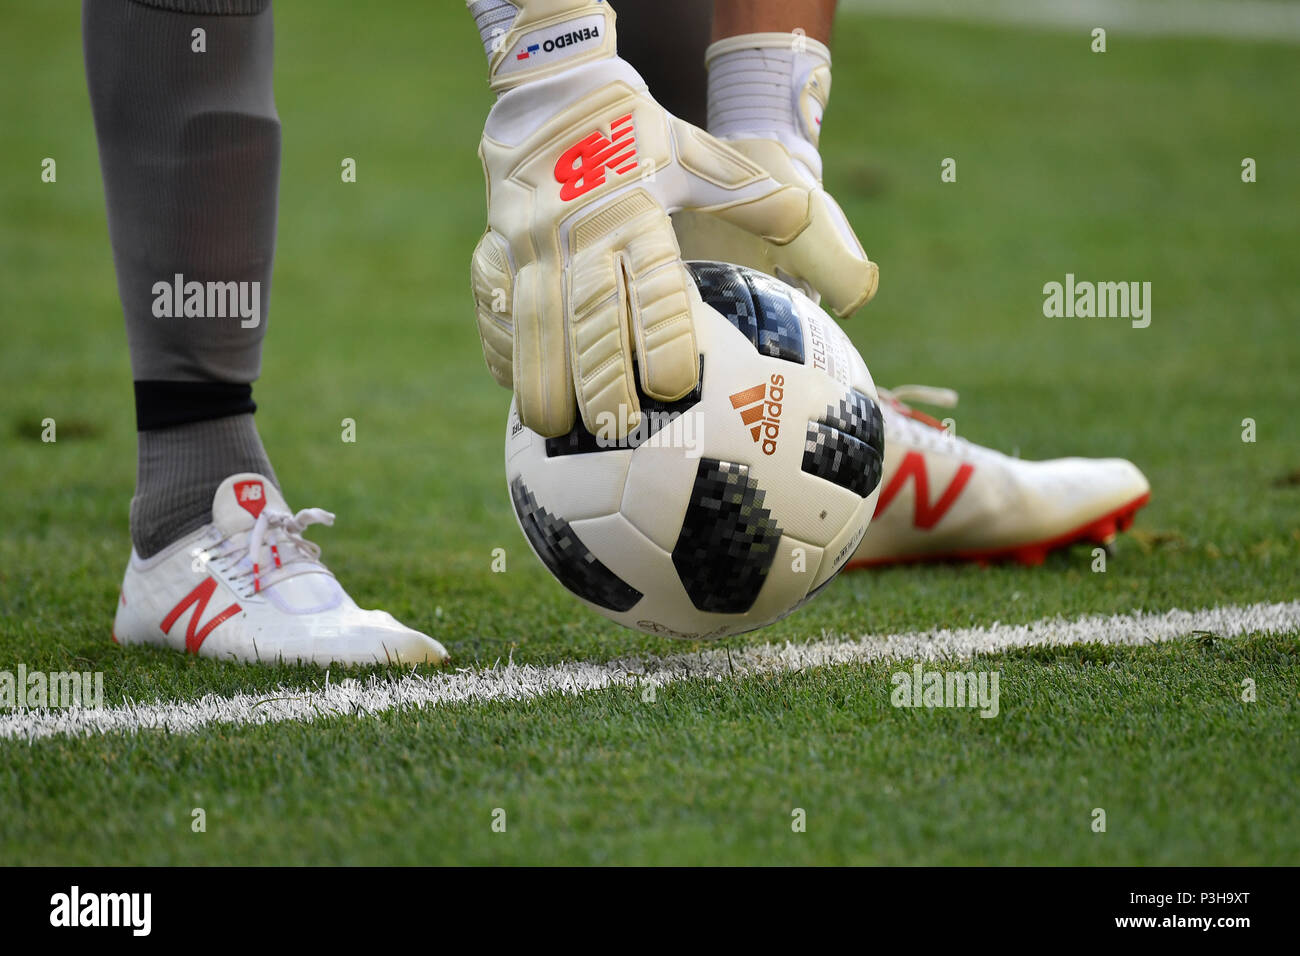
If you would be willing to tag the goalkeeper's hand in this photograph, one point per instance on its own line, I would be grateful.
(578, 278)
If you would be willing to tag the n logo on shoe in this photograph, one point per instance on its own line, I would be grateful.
(581, 168)
(251, 496)
(760, 409)
(199, 596)
(924, 515)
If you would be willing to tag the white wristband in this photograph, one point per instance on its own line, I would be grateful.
(770, 86)
(493, 19)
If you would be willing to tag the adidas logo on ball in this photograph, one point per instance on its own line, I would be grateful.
(760, 409)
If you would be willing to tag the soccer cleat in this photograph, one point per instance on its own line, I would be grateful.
(945, 498)
(249, 587)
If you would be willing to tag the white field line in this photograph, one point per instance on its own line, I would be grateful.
(1261, 20)
(520, 682)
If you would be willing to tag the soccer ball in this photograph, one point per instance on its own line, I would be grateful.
(727, 509)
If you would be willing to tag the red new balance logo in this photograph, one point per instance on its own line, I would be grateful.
(582, 166)
(760, 409)
(199, 596)
(251, 496)
(924, 515)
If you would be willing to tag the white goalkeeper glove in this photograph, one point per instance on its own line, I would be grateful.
(578, 281)
(767, 95)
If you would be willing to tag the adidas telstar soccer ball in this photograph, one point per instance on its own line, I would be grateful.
(727, 509)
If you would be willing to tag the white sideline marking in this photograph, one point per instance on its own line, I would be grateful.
(520, 682)
(1263, 20)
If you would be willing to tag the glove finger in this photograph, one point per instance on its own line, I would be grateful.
(600, 345)
(493, 288)
(661, 296)
(828, 255)
(804, 232)
(704, 236)
(542, 380)
(720, 180)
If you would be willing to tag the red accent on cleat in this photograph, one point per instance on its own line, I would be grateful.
(925, 515)
(1103, 531)
(1033, 553)
(194, 635)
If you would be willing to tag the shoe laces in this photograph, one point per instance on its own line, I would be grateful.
(275, 548)
(926, 394)
(923, 429)
(896, 399)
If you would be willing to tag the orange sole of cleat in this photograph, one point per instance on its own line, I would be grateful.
(1101, 530)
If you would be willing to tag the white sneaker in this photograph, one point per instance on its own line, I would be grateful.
(249, 587)
(944, 498)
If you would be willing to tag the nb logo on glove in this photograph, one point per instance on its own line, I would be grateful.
(582, 166)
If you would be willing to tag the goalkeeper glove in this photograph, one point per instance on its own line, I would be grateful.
(578, 283)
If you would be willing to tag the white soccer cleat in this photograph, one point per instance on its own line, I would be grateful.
(249, 587)
(945, 498)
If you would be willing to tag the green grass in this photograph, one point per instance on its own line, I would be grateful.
(712, 773)
(1119, 166)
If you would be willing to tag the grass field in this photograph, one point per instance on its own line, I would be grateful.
(1123, 166)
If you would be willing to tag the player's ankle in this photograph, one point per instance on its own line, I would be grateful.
(179, 468)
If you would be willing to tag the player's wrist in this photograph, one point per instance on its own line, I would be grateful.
(528, 40)
(770, 86)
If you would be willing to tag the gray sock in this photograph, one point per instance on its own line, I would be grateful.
(189, 146)
(178, 471)
(189, 149)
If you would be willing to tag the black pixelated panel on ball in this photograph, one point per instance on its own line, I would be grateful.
(846, 445)
(567, 557)
(759, 306)
(728, 539)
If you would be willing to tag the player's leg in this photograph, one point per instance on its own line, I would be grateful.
(189, 145)
(732, 18)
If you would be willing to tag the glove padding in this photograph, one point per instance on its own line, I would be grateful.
(579, 274)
